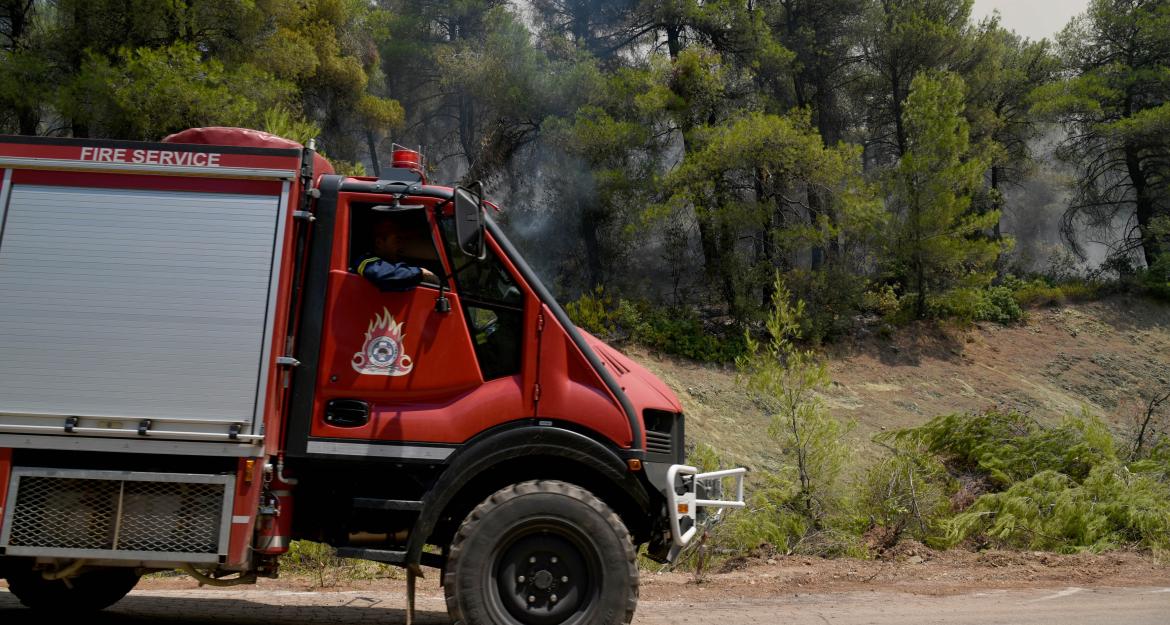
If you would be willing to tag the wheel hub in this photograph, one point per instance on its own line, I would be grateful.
(543, 578)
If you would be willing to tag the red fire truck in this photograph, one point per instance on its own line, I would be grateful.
(192, 375)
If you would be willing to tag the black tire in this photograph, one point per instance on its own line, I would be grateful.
(530, 541)
(88, 592)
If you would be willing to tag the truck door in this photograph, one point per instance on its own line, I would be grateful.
(399, 376)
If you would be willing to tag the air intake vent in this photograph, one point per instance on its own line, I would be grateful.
(117, 515)
(658, 443)
(664, 435)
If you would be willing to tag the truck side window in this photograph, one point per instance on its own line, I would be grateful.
(494, 306)
(417, 245)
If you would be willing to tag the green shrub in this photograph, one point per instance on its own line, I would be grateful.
(905, 493)
(832, 296)
(880, 300)
(675, 331)
(1155, 281)
(319, 562)
(1010, 446)
(594, 312)
(1113, 507)
(680, 332)
(994, 303)
(1048, 292)
(1059, 487)
(772, 520)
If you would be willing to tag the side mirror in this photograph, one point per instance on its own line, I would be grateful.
(469, 222)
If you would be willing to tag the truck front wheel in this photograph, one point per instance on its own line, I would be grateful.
(541, 553)
(90, 591)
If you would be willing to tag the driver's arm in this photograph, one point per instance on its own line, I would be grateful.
(388, 276)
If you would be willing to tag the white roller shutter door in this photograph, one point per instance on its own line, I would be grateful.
(134, 304)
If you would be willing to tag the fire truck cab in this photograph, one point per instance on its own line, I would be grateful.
(194, 372)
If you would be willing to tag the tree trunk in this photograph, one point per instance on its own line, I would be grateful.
(29, 121)
(372, 144)
(1151, 246)
(998, 234)
(899, 125)
(590, 224)
(705, 217)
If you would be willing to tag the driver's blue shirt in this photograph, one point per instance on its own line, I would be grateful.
(387, 276)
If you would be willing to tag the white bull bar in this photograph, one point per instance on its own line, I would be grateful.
(686, 505)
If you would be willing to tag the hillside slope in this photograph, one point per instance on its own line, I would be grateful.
(1097, 357)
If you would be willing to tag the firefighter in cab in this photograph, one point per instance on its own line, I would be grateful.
(379, 266)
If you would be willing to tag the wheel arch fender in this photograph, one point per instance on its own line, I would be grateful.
(522, 452)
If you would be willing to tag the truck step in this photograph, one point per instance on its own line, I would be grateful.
(370, 503)
(389, 557)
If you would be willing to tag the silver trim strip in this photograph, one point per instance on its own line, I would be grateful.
(225, 517)
(137, 168)
(126, 476)
(114, 417)
(274, 273)
(128, 433)
(141, 445)
(412, 452)
(154, 556)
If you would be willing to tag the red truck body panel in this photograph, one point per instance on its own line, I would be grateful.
(437, 397)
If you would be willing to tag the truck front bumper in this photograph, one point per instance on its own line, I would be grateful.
(685, 485)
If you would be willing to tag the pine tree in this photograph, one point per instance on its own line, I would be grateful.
(1116, 108)
(937, 242)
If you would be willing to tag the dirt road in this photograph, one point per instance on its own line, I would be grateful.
(1082, 606)
(913, 586)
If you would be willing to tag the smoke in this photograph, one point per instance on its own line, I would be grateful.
(1033, 213)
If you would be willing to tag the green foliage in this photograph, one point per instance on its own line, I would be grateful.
(772, 519)
(994, 303)
(906, 492)
(675, 331)
(937, 241)
(1047, 292)
(1113, 101)
(1058, 487)
(1109, 508)
(772, 155)
(704, 458)
(880, 300)
(319, 562)
(903, 39)
(833, 296)
(1155, 280)
(140, 70)
(786, 381)
(681, 332)
(283, 124)
(146, 93)
(1008, 446)
(594, 312)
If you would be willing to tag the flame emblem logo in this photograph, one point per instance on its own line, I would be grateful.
(382, 352)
